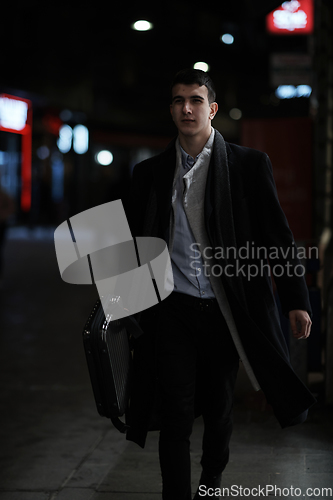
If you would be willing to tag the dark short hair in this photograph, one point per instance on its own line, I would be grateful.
(190, 76)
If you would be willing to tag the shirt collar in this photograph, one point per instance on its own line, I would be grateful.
(187, 160)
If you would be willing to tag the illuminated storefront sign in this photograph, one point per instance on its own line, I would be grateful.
(293, 17)
(16, 117)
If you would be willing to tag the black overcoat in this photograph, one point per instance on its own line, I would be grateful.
(242, 212)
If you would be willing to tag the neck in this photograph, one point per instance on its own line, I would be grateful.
(193, 145)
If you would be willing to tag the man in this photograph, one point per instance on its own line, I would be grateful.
(210, 200)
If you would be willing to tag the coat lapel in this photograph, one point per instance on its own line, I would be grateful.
(218, 195)
(219, 214)
(163, 175)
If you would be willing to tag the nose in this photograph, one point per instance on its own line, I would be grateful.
(187, 107)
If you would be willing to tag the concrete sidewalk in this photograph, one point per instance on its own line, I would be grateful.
(55, 446)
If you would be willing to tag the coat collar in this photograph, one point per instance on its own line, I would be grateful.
(218, 201)
(219, 213)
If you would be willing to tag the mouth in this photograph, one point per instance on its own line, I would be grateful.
(187, 120)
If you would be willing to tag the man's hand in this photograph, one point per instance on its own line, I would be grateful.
(300, 323)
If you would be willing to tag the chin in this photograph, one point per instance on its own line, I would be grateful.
(188, 132)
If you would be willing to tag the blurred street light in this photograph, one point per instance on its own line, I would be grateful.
(142, 25)
(227, 39)
(201, 65)
(104, 157)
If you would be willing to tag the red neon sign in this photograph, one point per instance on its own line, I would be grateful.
(294, 17)
(16, 117)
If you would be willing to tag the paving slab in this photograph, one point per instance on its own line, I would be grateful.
(24, 495)
(319, 463)
(76, 494)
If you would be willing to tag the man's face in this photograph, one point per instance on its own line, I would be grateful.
(191, 110)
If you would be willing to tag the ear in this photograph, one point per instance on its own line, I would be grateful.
(171, 110)
(213, 109)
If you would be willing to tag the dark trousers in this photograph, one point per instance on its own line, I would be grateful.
(197, 363)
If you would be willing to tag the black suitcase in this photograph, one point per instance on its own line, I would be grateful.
(107, 348)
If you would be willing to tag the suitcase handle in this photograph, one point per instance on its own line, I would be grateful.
(121, 426)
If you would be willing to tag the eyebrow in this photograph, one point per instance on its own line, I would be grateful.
(191, 97)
